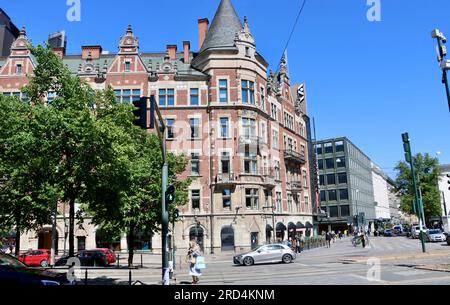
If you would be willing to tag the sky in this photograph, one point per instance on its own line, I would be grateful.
(368, 81)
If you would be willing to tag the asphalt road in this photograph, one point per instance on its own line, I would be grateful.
(386, 261)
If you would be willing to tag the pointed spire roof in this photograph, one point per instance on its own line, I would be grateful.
(224, 27)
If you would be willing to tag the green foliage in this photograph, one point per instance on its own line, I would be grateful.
(427, 171)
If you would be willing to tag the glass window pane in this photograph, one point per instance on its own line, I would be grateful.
(333, 211)
(339, 146)
(331, 179)
(345, 210)
(343, 194)
(332, 195)
(329, 163)
(342, 178)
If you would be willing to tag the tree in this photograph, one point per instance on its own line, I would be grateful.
(427, 171)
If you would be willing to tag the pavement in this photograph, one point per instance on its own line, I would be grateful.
(385, 261)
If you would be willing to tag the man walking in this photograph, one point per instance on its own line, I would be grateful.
(328, 239)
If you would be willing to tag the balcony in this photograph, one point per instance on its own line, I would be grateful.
(250, 140)
(292, 155)
(227, 178)
(295, 186)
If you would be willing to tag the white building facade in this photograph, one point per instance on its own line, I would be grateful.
(444, 189)
(381, 193)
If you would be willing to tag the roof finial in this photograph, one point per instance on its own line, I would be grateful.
(129, 29)
(23, 32)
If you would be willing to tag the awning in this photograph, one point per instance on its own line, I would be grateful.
(309, 225)
(300, 225)
(291, 227)
(281, 227)
(269, 228)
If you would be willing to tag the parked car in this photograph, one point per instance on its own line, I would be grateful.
(398, 230)
(110, 255)
(88, 258)
(14, 272)
(388, 233)
(415, 231)
(39, 257)
(435, 235)
(266, 254)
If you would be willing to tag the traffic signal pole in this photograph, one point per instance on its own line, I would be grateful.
(417, 204)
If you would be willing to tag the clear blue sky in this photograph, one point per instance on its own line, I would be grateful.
(367, 81)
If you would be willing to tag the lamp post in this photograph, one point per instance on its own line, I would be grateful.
(443, 63)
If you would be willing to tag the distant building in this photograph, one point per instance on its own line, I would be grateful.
(381, 193)
(444, 189)
(8, 33)
(394, 200)
(57, 40)
(346, 185)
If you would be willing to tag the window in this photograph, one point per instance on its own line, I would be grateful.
(306, 202)
(275, 139)
(319, 149)
(305, 179)
(19, 69)
(345, 210)
(166, 97)
(263, 99)
(247, 51)
(323, 196)
(277, 170)
(248, 92)
(223, 91)
(332, 195)
(263, 133)
(194, 97)
(278, 201)
(195, 128)
(320, 163)
(328, 147)
(225, 160)
(195, 199)
(252, 198)
(248, 127)
(342, 178)
(329, 163)
(250, 161)
(340, 162)
(170, 128)
(289, 203)
(321, 179)
(195, 164)
(127, 95)
(127, 66)
(224, 128)
(333, 211)
(343, 194)
(331, 179)
(226, 198)
(288, 121)
(273, 111)
(339, 146)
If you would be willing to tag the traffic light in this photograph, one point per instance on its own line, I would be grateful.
(406, 147)
(140, 112)
(176, 214)
(170, 196)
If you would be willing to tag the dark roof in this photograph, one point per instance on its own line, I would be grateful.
(224, 27)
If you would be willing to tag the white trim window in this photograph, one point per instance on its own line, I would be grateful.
(127, 95)
(248, 92)
(166, 97)
(223, 91)
(224, 124)
(194, 97)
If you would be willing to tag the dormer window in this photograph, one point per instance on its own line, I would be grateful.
(19, 69)
(127, 66)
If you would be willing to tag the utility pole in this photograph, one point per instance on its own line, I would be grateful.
(417, 204)
(443, 63)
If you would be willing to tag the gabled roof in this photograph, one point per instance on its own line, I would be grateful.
(224, 27)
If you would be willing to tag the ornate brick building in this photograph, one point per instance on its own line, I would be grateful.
(245, 130)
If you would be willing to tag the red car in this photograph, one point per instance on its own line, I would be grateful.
(39, 257)
(110, 255)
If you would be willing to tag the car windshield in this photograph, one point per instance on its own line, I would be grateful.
(6, 260)
(435, 231)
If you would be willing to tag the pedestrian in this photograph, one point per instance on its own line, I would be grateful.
(363, 239)
(328, 239)
(294, 244)
(193, 254)
(301, 243)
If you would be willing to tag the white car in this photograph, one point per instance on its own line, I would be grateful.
(416, 231)
(436, 235)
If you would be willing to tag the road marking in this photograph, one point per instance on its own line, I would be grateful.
(410, 272)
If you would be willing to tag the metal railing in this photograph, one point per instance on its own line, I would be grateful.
(295, 156)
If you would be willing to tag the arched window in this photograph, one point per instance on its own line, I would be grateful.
(227, 238)
(196, 233)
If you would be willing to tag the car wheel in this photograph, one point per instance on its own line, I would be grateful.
(287, 259)
(44, 263)
(248, 261)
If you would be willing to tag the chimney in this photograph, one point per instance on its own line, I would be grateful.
(202, 30)
(186, 51)
(60, 52)
(172, 50)
(94, 51)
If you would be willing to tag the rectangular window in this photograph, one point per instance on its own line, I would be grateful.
(345, 210)
(248, 127)
(166, 97)
(195, 164)
(343, 194)
(340, 162)
(194, 97)
(274, 111)
(223, 91)
(19, 69)
(225, 160)
(127, 66)
(195, 128)
(277, 171)
(288, 121)
(224, 128)
(289, 203)
(332, 195)
(263, 99)
(195, 199)
(306, 202)
(328, 147)
(331, 179)
(319, 149)
(170, 128)
(342, 178)
(250, 161)
(248, 92)
(320, 163)
(278, 201)
(226, 198)
(333, 211)
(321, 179)
(263, 133)
(275, 139)
(329, 163)
(127, 95)
(323, 196)
(252, 199)
(305, 179)
(339, 146)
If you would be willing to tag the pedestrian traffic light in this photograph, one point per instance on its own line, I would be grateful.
(170, 196)
(140, 112)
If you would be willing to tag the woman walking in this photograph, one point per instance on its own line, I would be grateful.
(193, 253)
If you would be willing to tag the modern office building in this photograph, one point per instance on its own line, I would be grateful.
(346, 186)
(8, 33)
(244, 128)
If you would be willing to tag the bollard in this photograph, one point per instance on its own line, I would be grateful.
(129, 277)
(85, 277)
(118, 260)
(142, 263)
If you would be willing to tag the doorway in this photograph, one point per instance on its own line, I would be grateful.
(254, 240)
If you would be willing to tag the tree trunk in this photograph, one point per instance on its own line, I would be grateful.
(131, 245)
(71, 227)
(17, 253)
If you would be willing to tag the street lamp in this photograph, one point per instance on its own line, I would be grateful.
(443, 62)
